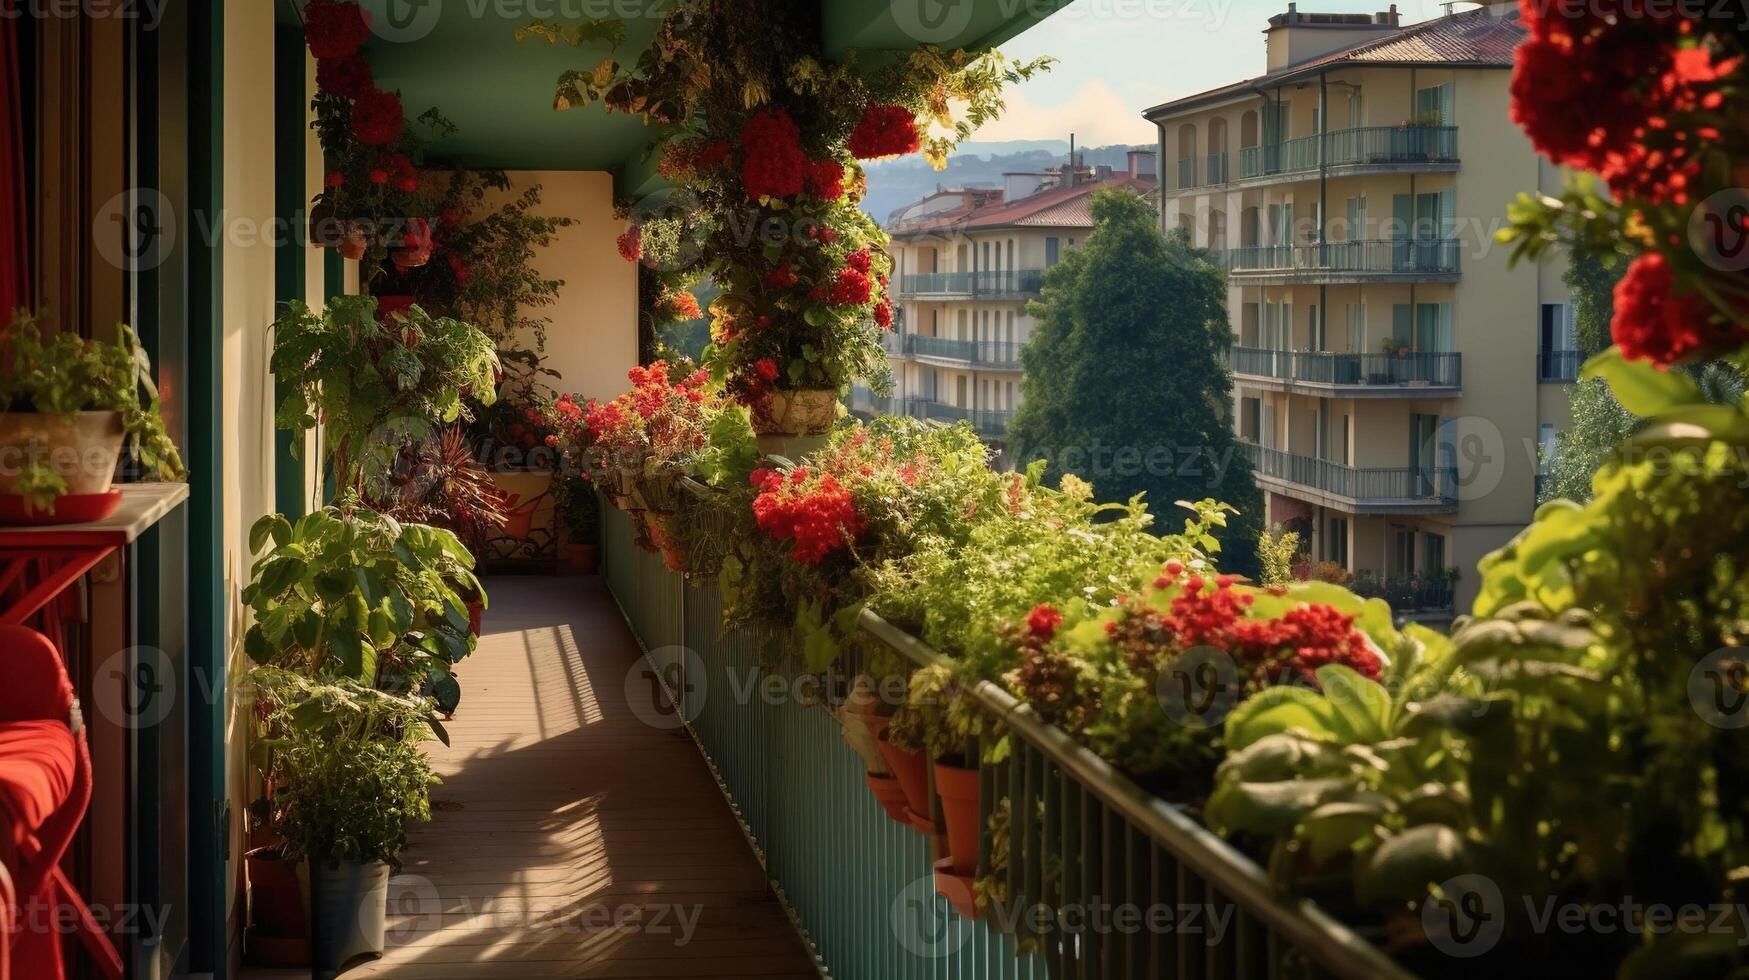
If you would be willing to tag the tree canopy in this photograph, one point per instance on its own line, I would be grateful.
(1125, 383)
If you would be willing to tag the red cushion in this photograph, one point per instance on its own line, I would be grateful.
(36, 686)
(37, 760)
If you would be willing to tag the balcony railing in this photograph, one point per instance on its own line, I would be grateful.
(865, 401)
(984, 353)
(992, 423)
(1406, 258)
(1431, 593)
(995, 284)
(1187, 173)
(1558, 365)
(1414, 369)
(893, 342)
(1215, 169)
(1364, 146)
(861, 884)
(1421, 484)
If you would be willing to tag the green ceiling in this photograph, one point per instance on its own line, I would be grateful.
(462, 57)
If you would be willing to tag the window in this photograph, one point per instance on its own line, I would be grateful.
(1051, 251)
(1557, 327)
(1436, 106)
(1547, 438)
(1356, 328)
(1250, 419)
(1402, 552)
(1356, 108)
(1356, 216)
(1433, 327)
(1011, 253)
(1336, 541)
(1009, 400)
(1314, 328)
(1435, 560)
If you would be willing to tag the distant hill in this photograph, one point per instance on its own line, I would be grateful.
(892, 184)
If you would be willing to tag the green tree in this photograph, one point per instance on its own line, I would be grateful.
(1599, 423)
(1125, 384)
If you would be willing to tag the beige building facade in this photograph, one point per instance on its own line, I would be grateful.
(965, 263)
(1396, 380)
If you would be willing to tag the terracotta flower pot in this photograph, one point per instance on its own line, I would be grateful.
(582, 559)
(912, 772)
(279, 928)
(352, 244)
(83, 449)
(476, 613)
(958, 789)
(890, 795)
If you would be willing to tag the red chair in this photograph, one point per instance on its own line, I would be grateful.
(45, 785)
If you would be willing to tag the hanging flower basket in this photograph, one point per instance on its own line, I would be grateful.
(804, 412)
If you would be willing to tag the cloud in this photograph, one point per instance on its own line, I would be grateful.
(1094, 113)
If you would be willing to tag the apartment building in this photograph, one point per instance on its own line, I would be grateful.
(1394, 379)
(965, 263)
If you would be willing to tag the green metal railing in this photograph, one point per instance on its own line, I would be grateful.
(1083, 836)
(1433, 485)
(1363, 146)
(1393, 257)
(991, 353)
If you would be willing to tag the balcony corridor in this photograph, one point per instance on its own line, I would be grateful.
(560, 809)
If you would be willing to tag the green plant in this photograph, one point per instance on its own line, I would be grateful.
(1276, 551)
(374, 387)
(445, 487)
(349, 593)
(347, 766)
(579, 508)
(68, 374)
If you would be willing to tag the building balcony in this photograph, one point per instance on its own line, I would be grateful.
(1558, 365)
(1393, 490)
(1000, 284)
(1426, 596)
(989, 423)
(996, 355)
(1346, 152)
(1343, 263)
(1405, 375)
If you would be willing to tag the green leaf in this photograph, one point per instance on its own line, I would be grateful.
(1278, 709)
(1641, 388)
(347, 647)
(1363, 706)
(448, 693)
(273, 526)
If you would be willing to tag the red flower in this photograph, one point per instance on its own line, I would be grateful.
(772, 160)
(781, 276)
(348, 77)
(1043, 621)
(335, 178)
(884, 131)
(860, 260)
(685, 306)
(462, 272)
(851, 288)
(825, 179)
(335, 30)
(379, 176)
(631, 244)
(815, 512)
(883, 315)
(1654, 323)
(377, 118)
(767, 368)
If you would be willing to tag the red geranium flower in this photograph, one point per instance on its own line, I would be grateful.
(1654, 323)
(685, 306)
(825, 179)
(772, 159)
(631, 244)
(883, 315)
(852, 288)
(335, 178)
(335, 30)
(348, 77)
(884, 131)
(377, 118)
(767, 368)
(860, 260)
(1043, 621)
(379, 176)
(781, 277)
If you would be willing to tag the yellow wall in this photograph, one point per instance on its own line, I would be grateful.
(593, 338)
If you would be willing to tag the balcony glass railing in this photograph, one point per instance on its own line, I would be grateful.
(992, 283)
(1437, 256)
(1558, 365)
(1215, 169)
(988, 422)
(1369, 145)
(1417, 368)
(1187, 173)
(1432, 484)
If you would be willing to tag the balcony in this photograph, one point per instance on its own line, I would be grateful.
(1395, 490)
(989, 423)
(992, 354)
(1406, 375)
(998, 284)
(1422, 596)
(1558, 366)
(1346, 152)
(1342, 263)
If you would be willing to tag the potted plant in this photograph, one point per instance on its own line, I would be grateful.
(67, 406)
(580, 518)
(348, 593)
(350, 776)
(862, 722)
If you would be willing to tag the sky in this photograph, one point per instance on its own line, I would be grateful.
(1118, 57)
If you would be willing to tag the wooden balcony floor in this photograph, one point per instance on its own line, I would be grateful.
(560, 810)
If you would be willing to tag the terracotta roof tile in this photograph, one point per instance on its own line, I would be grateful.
(1059, 207)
